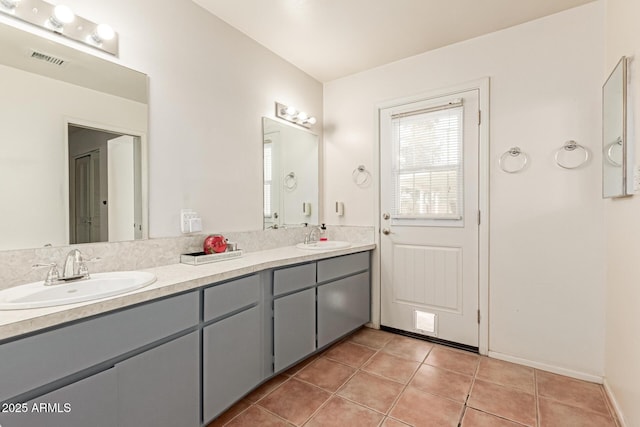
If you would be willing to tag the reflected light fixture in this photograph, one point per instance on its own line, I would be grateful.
(291, 114)
(62, 21)
(10, 4)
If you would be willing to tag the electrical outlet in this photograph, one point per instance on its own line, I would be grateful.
(186, 218)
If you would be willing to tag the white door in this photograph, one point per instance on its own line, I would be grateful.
(429, 217)
(85, 194)
(121, 180)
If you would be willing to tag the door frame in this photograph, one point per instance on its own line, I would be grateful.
(483, 87)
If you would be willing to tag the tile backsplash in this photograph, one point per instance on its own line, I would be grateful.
(16, 266)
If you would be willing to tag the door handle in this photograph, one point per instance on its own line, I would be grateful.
(386, 231)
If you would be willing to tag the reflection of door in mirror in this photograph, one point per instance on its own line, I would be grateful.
(272, 206)
(104, 186)
(85, 193)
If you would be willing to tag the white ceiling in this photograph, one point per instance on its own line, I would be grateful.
(329, 39)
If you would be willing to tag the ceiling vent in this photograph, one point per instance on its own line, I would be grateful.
(47, 58)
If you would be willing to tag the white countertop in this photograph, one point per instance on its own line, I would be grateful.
(171, 279)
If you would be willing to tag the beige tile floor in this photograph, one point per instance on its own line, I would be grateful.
(375, 378)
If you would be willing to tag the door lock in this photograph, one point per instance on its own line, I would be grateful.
(386, 216)
(386, 231)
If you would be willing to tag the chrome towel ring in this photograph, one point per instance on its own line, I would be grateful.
(513, 152)
(609, 155)
(571, 146)
(361, 176)
(290, 181)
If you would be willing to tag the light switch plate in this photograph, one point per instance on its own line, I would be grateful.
(186, 218)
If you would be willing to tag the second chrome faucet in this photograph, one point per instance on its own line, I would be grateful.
(74, 269)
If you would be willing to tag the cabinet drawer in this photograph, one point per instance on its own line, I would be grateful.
(89, 402)
(342, 266)
(294, 278)
(228, 297)
(40, 359)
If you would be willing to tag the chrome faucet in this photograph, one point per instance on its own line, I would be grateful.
(75, 268)
(312, 236)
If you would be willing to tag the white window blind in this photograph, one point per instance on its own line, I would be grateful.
(428, 165)
(267, 180)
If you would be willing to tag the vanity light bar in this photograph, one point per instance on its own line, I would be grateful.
(292, 115)
(61, 20)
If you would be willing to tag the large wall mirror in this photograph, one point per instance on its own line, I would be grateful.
(73, 145)
(290, 175)
(617, 149)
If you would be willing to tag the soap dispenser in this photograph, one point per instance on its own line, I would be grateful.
(323, 233)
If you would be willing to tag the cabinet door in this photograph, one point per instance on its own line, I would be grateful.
(233, 357)
(88, 402)
(343, 306)
(294, 328)
(161, 387)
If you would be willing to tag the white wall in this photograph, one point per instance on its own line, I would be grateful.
(34, 211)
(622, 355)
(209, 87)
(546, 224)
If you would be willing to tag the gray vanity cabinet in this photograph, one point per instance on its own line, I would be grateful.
(343, 306)
(160, 387)
(294, 328)
(233, 344)
(344, 295)
(88, 402)
(135, 367)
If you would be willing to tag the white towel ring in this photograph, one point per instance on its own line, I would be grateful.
(571, 146)
(513, 152)
(361, 176)
(290, 181)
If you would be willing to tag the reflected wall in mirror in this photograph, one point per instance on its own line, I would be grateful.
(617, 149)
(47, 107)
(290, 175)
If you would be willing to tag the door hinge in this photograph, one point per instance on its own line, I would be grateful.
(478, 317)
(478, 217)
(479, 117)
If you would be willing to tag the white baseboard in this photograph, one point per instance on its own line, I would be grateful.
(549, 368)
(614, 403)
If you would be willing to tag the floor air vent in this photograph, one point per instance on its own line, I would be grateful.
(47, 58)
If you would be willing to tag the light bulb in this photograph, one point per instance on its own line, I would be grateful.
(302, 116)
(103, 32)
(312, 120)
(62, 15)
(290, 111)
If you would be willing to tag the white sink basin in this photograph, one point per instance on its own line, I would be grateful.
(324, 245)
(100, 285)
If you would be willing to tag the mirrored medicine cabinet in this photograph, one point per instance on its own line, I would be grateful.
(617, 148)
(73, 145)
